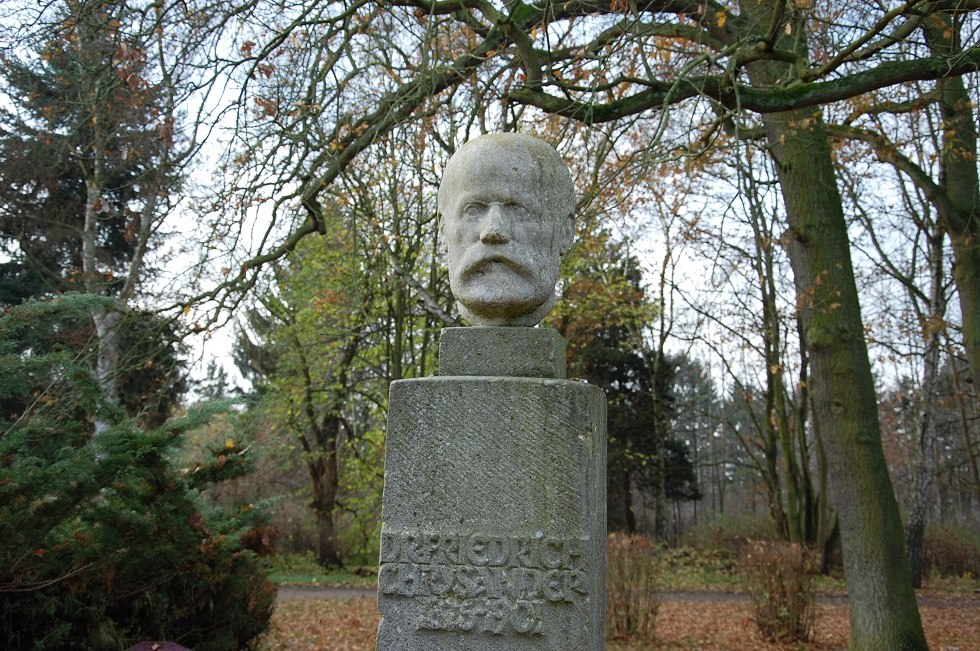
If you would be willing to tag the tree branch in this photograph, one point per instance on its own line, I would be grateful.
(759, 100)
(887, 152)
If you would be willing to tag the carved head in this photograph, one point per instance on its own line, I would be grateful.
(506, 205)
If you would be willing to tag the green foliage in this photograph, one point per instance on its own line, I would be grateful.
(779, 578)
(106, 542)
(316, 353)
(728, 532)
(361, 482)
(953, 551)
(632, 577)
(604, 314)
(81, 109)
(303, 569)
(43, 372)
(150, 369)
(150, 365)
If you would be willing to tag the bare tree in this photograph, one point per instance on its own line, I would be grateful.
(324, 81)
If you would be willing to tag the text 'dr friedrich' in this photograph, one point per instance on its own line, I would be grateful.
(483, 583)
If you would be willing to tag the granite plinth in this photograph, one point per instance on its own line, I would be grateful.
(493, 534)
(502, 352)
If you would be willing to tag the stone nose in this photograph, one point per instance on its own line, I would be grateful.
(495, 228)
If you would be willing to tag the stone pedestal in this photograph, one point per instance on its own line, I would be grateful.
(493, 534)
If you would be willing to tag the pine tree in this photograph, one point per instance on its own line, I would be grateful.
(87, 167)
(602, 314)
(108, 545)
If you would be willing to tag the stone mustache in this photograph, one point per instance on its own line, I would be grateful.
(506, 205)
(493, 520)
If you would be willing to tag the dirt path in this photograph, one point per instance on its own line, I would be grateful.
(945, 600)
(308, 592)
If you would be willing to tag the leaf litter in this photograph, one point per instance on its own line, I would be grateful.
(351, 625)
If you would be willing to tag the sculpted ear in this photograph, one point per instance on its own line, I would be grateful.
(566, 233)
(442, 232)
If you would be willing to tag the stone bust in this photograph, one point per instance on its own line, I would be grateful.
(506, 205)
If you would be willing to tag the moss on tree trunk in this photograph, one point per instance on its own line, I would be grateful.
(884, 613)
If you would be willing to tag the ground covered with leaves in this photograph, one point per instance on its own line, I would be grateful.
(952, 623)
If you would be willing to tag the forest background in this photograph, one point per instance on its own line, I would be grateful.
(776, 281)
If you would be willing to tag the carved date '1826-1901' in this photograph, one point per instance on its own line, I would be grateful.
(483, 583)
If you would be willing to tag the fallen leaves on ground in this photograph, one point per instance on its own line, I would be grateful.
(351, 625)
(322, 625)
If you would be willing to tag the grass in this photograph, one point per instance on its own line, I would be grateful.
(303, 570)
(685, 569)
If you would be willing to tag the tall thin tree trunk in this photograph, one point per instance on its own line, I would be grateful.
(778, 437)
(660, 418)
(660, 496)
(883, 609)
(961, 181)
(104, 321)
(628, 504)
(884, 613)
(924, 463)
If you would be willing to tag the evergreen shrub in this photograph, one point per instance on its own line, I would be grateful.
(105, 539)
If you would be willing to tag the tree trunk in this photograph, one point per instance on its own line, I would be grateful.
(827, 534)
(884, 613)
(960, 179)
(104, 321)
(883, 609)
(924, 462)
(661, 399)
(778, 437)
(628, 504)
(915, 540)
(830, 545)
(617, 507)
(325, 476)
(107, 351)
(966, 274)
(321, 445)
(963, 395)
(660, 521)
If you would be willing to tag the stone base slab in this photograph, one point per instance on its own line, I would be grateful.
(493, 534)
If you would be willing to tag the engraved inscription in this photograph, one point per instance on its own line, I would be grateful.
(481, 583)
(542, 552)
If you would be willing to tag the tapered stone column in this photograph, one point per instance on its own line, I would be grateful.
(493, 534)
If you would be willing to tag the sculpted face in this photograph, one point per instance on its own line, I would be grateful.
(506, 205)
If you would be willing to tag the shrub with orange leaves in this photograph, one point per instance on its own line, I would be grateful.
(779, 578)
(631, 584)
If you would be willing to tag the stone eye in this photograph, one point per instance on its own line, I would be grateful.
(474, 209)
(517, 210)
